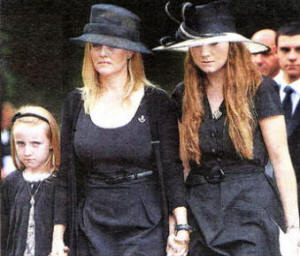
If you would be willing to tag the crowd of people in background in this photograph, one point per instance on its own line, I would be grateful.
(212, 169)
(282, 63)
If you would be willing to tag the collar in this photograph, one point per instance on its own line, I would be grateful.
(282, 83)
(36, 177)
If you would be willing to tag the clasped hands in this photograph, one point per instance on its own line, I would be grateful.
(178, 244)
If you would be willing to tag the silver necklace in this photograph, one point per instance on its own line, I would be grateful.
(30, 240)
(216, 114)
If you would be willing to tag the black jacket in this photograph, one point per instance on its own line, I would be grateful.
(163, 123)
(293, 130)
(293, 134)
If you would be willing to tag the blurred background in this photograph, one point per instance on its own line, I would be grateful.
(39, 65)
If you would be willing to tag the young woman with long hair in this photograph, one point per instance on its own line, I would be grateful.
(230, 122)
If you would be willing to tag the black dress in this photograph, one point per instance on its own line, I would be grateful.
(15, 214)
(122, 219)
(234, 214)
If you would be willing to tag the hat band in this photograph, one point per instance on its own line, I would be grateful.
(185, 34)
(112, 30)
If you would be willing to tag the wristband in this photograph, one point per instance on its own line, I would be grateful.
(186, 227)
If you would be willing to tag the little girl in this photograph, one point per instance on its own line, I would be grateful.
(33, 220)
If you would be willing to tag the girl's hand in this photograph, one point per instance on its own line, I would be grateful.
(178, 244)
(59, 248)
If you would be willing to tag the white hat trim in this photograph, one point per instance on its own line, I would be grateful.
(252, 46)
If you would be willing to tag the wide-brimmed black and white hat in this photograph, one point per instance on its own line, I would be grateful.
(205, 24)
(113, 26)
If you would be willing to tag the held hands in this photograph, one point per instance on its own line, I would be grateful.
(178, 244)
(290, 242)
(294, 234)
(59, 248)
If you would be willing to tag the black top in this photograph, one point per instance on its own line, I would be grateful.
(215, 143)
(156, 101)
(114, 151)
(15, 214)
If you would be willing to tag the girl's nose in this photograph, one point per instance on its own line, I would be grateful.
(27, 150)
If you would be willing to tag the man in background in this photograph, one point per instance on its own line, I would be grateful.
(288, 50)
(266, 62)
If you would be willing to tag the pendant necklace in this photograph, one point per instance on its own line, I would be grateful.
(216, 114)
(30, 240)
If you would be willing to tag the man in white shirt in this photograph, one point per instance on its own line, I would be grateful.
(288, 50)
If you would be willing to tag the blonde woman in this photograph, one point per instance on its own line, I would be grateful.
(231, 121)
(121, 185)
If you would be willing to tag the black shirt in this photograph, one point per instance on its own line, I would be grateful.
(113, 151)
(215, 143)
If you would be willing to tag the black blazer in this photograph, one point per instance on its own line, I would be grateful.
(293, 130)
(163, 124)
(293, 133)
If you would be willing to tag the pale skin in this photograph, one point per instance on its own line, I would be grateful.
(288, 49)
(273, 131)
(267, 62)
(33, 150)
(110, 111)
(58, 246)
(111, 65)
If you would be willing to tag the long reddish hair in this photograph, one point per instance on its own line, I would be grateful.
(242, 80)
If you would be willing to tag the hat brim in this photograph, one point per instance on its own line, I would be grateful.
(183, 46)
(111, 41)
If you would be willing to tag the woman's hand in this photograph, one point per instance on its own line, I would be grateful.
(294, 234)
(178, 244)
(289, 242)
(59, 248)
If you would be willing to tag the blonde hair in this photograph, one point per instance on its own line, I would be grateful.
(52, 134)
(92, 85)
(242, 80)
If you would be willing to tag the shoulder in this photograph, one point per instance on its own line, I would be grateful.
(157, 97)
(179, 89)
(72, 101)
(12, 178)
(177, 96)
(74, 95)
(267, 85)
(177, 93)
(151, 91)
(267, 100)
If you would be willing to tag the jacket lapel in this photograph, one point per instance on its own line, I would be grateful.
(295, 121)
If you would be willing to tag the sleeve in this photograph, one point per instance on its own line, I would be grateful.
(62, 182)
(267, 100)
(60, 203)
(5, 209)
(169, 146)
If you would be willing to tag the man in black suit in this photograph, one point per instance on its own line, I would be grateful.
(288, 50)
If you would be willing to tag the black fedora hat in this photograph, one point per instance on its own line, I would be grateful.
(113, 26)
(206, 24)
